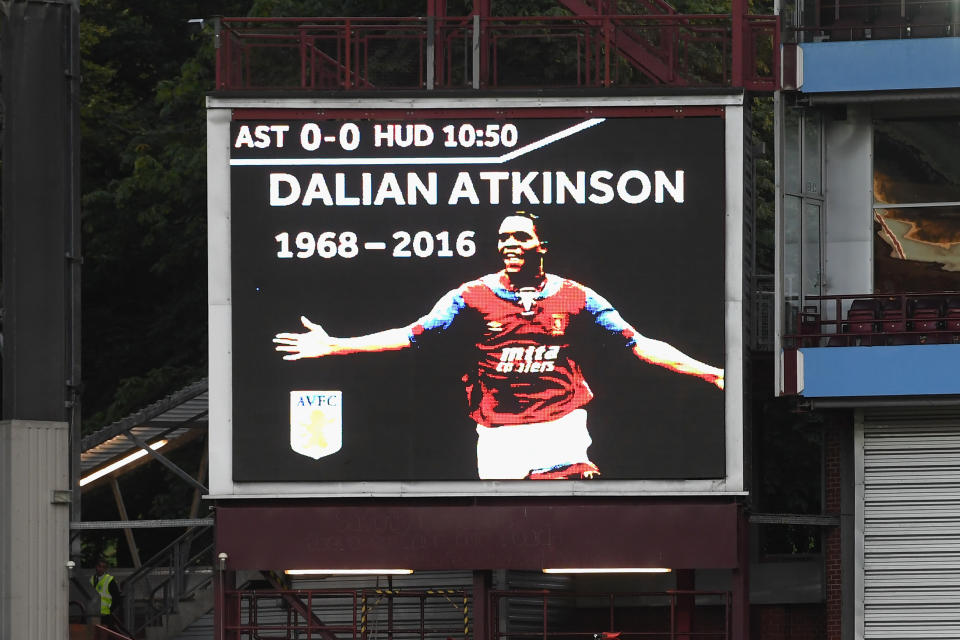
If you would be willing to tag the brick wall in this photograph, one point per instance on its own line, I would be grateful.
(787, 622)
(831, 535)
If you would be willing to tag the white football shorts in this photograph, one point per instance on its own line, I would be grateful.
(513, 451)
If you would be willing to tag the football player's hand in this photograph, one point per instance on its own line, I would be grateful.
(315, 343)
(719, 381)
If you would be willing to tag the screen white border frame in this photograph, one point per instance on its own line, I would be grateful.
(222, 485)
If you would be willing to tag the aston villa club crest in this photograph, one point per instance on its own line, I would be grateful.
(559, 326)
(316, 423)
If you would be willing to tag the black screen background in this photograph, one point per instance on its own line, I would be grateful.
(404, 415)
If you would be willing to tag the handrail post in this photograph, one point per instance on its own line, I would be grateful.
(544, 616)
(612, 606)
(128, 608)
(177, 576)
(423, 616)
(431, 52)
(673, 615)
(347, 45)
(476, 51)
(606, 51)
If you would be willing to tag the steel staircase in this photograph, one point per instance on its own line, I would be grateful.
(651, 49)
(172, 589)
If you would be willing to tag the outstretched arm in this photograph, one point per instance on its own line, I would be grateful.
(649, 350)
(665, 355)
(315, 343)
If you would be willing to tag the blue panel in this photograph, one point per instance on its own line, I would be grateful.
(930, 369)
(879, 65)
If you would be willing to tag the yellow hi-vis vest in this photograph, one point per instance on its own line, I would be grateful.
(103, 588)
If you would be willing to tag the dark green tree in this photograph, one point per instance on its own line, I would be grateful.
(145, 75)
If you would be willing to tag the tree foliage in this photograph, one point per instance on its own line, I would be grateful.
(144, 200)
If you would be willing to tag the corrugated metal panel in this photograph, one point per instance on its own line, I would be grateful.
(33, 530)
(172, 417)
(911, 524)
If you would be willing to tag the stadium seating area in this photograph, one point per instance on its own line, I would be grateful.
(886, 320)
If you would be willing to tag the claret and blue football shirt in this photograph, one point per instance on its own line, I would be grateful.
(525, 371)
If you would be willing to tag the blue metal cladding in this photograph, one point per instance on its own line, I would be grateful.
(910, 370)
(881, 65)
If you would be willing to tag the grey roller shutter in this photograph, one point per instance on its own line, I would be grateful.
(910, 519)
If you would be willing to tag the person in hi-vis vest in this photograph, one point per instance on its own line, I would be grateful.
(106, 587)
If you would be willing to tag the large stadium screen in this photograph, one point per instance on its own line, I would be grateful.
(434, 295)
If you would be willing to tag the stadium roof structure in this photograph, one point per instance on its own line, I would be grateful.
(177, 419)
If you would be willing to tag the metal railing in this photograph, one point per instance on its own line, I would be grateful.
(878, 20)
(177, 572)
(665, 615)
(596, 50)
(446, 614)
(103, 633)
(877, 320)
(363, 614)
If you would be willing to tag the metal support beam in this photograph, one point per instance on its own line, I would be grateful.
(481, 596)
(165, 462)
(201, 476)
(226, 609)
(101, 525)
(127, 531)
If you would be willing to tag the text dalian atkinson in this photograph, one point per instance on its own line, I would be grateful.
(599, 187)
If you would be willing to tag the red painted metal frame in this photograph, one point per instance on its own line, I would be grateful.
(600, 40)
(680, 603)
(104, 633)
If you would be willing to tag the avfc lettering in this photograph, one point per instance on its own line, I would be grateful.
(318, 400)
(528, 359)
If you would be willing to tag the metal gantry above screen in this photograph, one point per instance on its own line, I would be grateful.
(594, 46)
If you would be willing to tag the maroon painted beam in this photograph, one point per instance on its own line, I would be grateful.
(522, 535)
